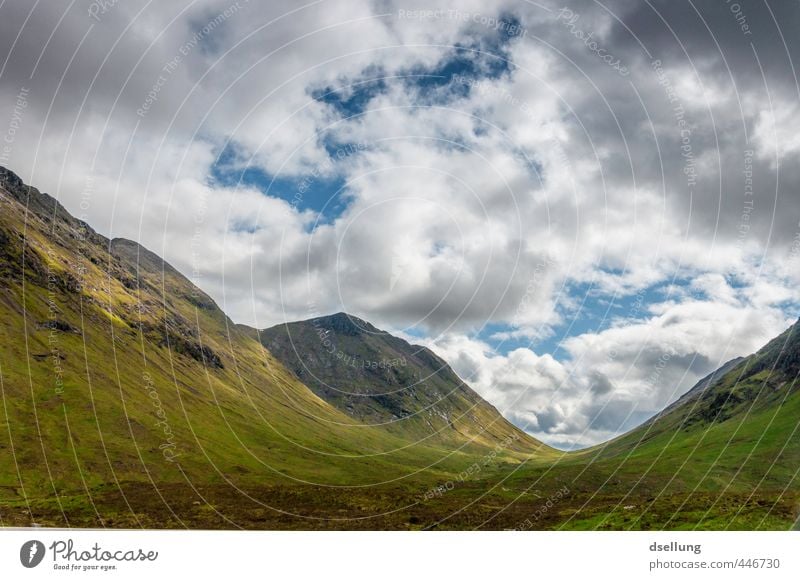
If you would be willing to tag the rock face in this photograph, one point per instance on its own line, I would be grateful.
(36, 202)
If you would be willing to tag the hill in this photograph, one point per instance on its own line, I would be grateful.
(380, 379)
(725, 455)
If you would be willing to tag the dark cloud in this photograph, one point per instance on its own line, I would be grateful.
(600, 384)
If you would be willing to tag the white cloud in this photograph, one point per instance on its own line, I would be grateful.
(463, 208)
(777, 131)
(615, 379)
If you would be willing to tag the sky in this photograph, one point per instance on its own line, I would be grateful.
(584, 208)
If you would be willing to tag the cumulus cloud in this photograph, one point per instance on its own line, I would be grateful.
(495, 166)
(614, 379)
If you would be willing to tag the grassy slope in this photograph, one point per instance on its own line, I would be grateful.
(738, 430)
(78, 408)
(726, 455)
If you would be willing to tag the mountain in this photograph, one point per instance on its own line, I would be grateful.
(724, 456)
(117, 373)
(380, 379)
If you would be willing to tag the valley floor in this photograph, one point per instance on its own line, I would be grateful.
(534, 502)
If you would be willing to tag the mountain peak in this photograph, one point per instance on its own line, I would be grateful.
(344, 324)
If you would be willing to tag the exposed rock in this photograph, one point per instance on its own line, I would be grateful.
(59, 325)
(198, 352)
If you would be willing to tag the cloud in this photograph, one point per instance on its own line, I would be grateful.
(498, 177)
(615, 379)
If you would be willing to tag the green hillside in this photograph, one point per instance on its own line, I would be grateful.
(117, 370)
(726, 455)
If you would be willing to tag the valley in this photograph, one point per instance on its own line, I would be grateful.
(129, 399)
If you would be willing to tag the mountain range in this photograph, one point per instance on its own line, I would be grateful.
(129, 399)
